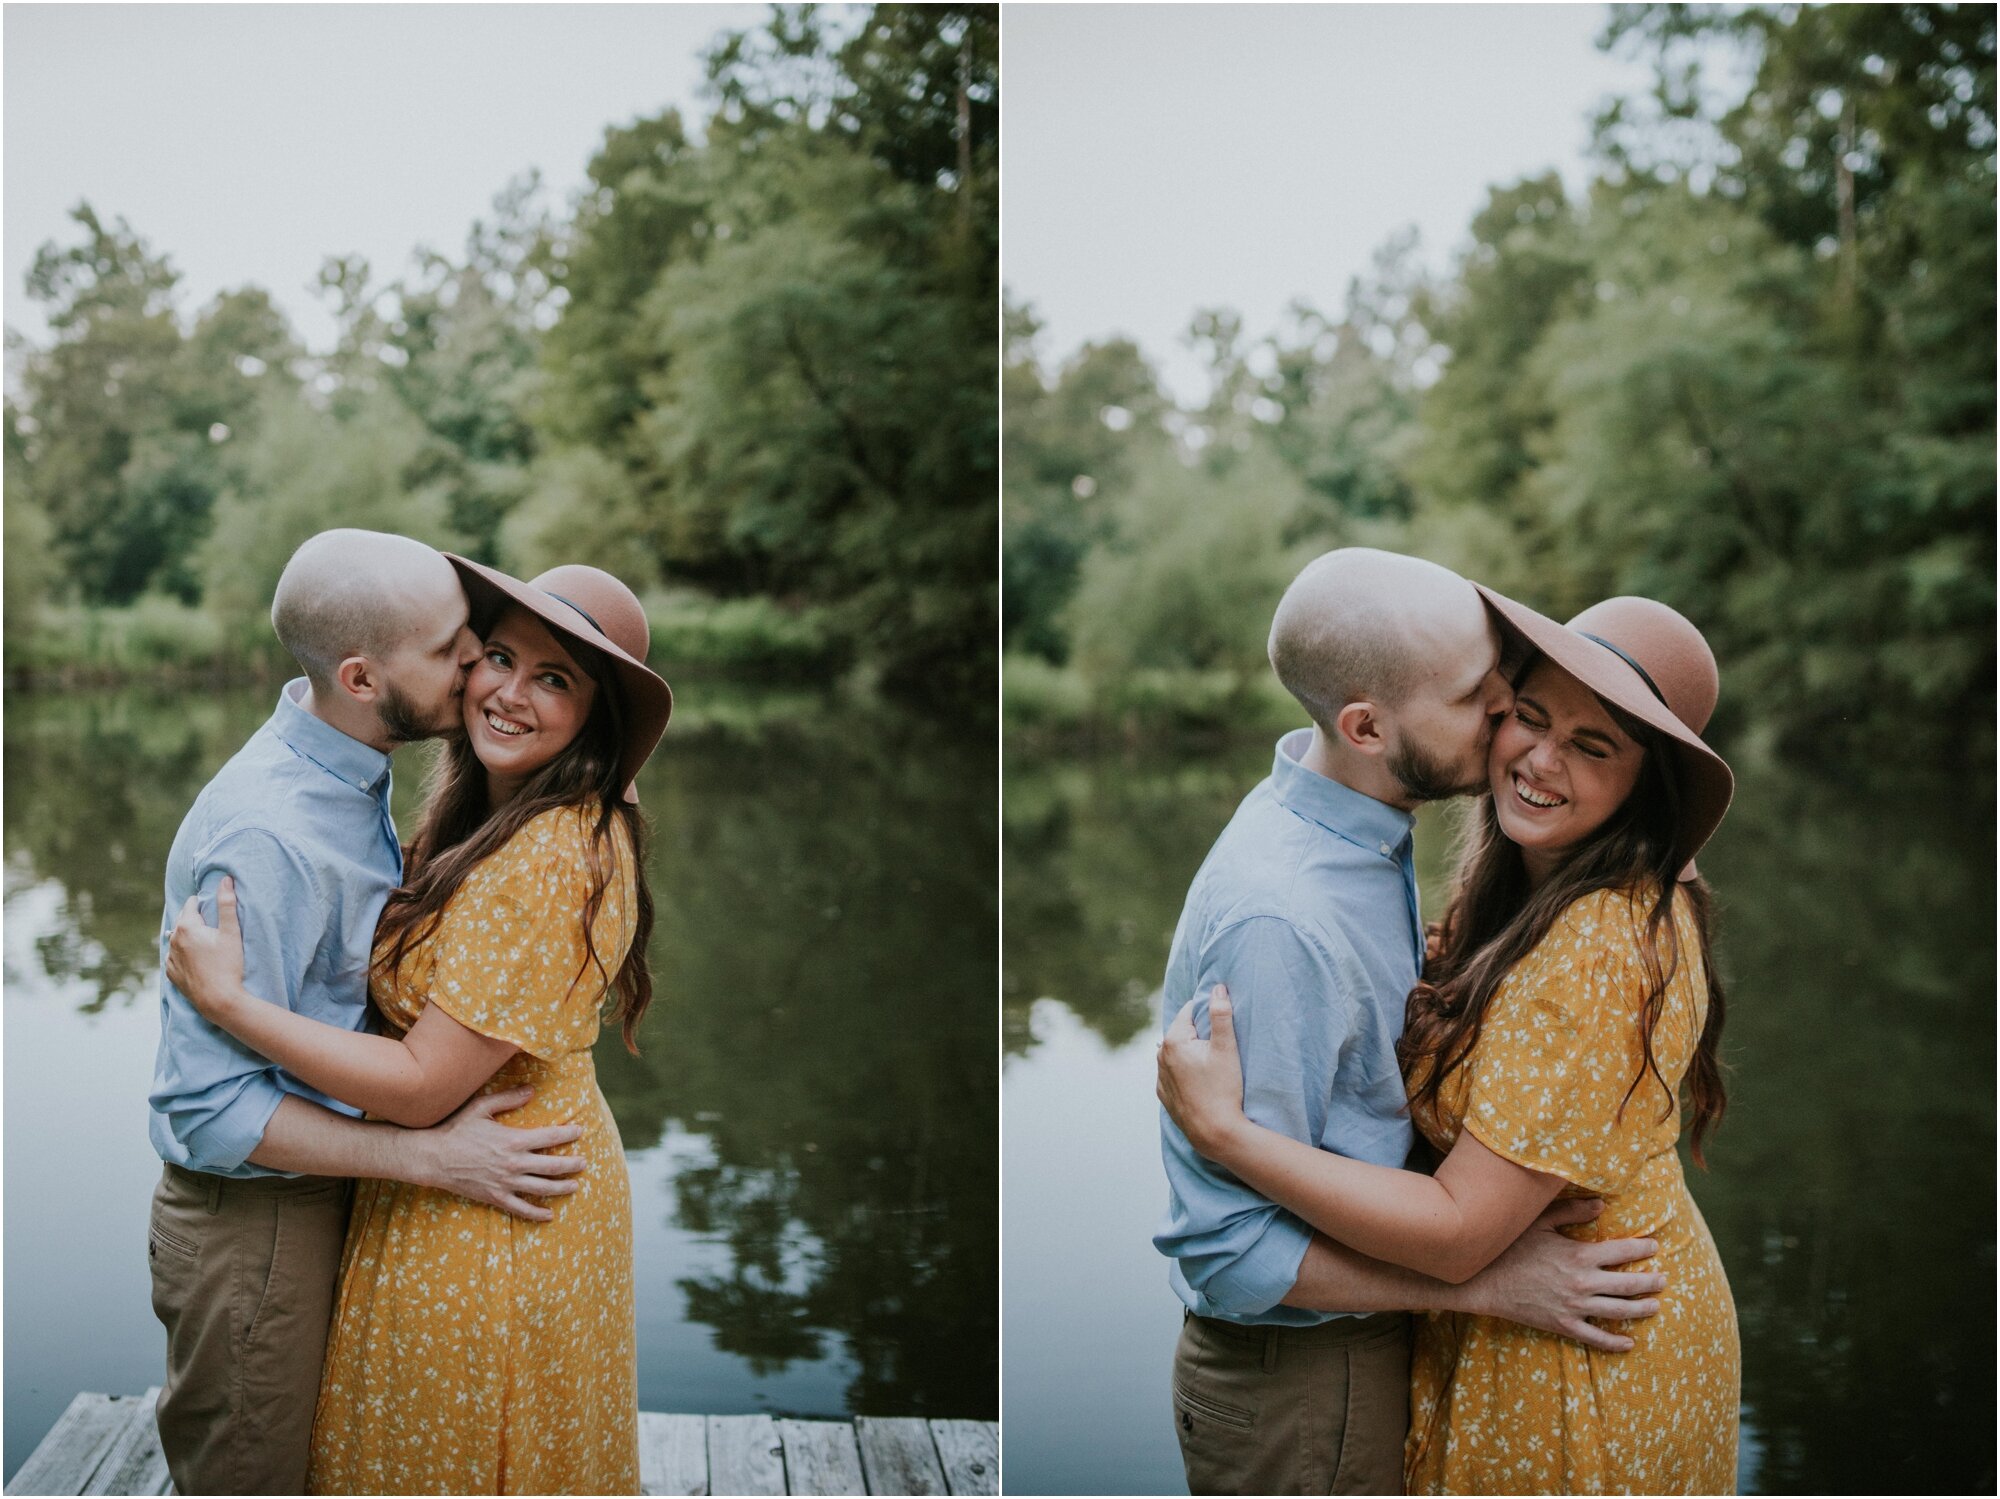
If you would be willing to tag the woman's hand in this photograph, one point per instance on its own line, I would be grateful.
(206, 962)
(1201, 1082)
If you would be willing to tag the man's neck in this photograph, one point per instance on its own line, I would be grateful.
(1366, 774)
(351, 719)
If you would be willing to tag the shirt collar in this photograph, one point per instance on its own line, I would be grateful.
(1341, 810)
(341, 756)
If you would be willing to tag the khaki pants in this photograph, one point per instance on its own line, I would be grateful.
(1293, 1410)
(244, 1274)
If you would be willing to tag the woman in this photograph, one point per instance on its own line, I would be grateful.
(1570, 996)
(472, 1351)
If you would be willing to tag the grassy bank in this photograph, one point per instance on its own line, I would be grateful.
(165, 642)
(1049, 707)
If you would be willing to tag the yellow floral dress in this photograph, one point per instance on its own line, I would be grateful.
(1497, 1408)
(473, 1352)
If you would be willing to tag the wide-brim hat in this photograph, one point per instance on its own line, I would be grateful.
(1648, 660)
(587, 604)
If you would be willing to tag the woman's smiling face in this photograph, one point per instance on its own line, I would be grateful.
(525, 700)
(1560, 767)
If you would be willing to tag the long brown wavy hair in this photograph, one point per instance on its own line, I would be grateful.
(459, 828)
(1494, 920)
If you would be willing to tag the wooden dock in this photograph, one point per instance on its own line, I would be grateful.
(108, 1444)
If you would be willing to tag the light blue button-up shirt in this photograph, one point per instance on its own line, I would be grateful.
(299, 818)
(1306, 907)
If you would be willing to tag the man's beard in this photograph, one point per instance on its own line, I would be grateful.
(401, 722)
(1424, 779)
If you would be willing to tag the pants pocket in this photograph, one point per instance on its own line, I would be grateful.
(173, 1248)
(1191, 1404)
(1222, 1417)
(161, 1240)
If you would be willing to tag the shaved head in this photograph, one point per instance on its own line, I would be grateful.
(1360, 625)
(359, 593)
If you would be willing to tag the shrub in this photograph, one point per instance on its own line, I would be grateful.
(748, 637)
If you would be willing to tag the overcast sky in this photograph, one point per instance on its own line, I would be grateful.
(248, 142)
(1157, 159)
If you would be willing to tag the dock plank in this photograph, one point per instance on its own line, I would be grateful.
(821, 1457)
(134, 1463)
(744, 1456)
(673, 1454)
(970, 1454)
(898, 1455)
(68, 1456)
(107, 1444)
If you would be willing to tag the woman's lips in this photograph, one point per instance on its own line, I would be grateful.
(1532, 796)
(504, 726)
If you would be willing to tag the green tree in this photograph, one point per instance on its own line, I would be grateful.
(1070, 441)
(125, 419)
(457, 344)
(308, 468)
(1525, 268)
(1190, 577)
(826, 419)
(785, 337)
(30, 571)
(645, 206)
(1341, 398)
(1856, 424)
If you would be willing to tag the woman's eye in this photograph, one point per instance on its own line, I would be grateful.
(1524, 720)
(550, 679)
(497, 657)
(1593, 753)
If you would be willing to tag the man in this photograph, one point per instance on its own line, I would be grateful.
(251, 1209)
(1292, 1373)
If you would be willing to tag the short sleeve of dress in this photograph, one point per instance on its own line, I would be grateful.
(510, 956)
(1560, 1048)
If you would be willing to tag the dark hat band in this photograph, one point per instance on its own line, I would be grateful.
(606, 634)
(1651, 685)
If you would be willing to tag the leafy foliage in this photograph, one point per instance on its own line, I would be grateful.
(755, 360)
(1749, 371)
(785, 336)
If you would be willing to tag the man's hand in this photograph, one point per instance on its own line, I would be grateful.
(1553, 1282)
(473, 1155)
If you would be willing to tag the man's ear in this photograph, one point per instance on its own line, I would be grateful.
(1359, 725)
(358, 678)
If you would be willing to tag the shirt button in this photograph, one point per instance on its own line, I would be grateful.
(1385, 850)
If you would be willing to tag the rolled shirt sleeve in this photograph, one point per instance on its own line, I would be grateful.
(218, 1096)
(1239, 1252)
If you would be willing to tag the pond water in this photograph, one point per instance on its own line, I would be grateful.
(1851, 1188)
(810, 1124)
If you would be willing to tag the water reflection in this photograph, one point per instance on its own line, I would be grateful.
(824, 957)
(1852, 1179)
(816, 1076)
(96, 784)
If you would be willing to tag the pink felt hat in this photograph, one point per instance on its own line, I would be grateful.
(1648, 660)
(588, 604)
